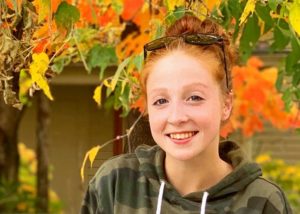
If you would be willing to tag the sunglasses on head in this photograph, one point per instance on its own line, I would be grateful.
(193, 39)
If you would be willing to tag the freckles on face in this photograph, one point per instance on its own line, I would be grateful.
(184, 104)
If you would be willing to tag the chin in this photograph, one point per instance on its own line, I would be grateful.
(182, 155)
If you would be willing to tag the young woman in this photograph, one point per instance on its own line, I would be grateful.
(187, 84)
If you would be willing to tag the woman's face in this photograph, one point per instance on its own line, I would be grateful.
(185, 106)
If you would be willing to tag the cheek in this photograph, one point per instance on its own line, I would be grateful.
(206, 116)
(157, 120)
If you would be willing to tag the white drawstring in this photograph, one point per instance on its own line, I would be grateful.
(161, 192)
(160, 195)
(203, 204)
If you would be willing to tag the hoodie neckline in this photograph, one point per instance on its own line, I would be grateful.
(151, 161)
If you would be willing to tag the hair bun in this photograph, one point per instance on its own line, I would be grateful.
(191, 24)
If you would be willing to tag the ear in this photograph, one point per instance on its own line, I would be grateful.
(227, 106)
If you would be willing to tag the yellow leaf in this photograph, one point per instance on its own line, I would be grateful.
(171, 4)
(294, 16)
(97, 95)
(249, 8)
(92, 154)
(116, 77)
(124, 82)
(106, 83)
(200, 9)
(25, 84)
(44, 9)
(82, 166)
(38, 69)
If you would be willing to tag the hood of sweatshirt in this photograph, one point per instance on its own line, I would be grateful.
(151, 161)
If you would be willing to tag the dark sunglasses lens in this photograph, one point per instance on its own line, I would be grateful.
(159, 43)
(202, 39)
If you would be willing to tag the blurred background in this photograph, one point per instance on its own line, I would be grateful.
(69, 83)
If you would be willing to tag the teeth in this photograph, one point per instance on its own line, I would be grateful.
(180, 136)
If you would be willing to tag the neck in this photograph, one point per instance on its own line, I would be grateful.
(200, 172)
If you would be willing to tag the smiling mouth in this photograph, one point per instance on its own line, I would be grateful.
(182, 135)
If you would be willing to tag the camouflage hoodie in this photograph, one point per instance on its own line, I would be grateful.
(136, 184)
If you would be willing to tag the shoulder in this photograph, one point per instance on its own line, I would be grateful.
(117, 163)
(125, 163)
(271, 195)
(264, 187)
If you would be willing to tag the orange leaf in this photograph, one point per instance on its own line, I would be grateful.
(226, 129)
(107, 17)
(131, 7)
(43, 31)
(255, 62)
(132, 44)
(140, 104)
(9, 4)
(41, 46)
(211, 4)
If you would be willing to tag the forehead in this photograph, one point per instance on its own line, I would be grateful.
(178, 69)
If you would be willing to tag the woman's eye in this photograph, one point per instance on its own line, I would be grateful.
(195, 98)
(160, 102)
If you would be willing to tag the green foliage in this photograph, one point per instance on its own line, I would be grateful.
(66, 15)
(287, 176)
(273, 23)
(102, 57)
(249, 38)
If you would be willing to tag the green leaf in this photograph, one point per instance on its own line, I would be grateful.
(118, 72)
(66, 15)
(124, 99)
(117, 101)
(85, 34)
(283, 25)
(274, 3)
(264, 13)
(226, 15)
(297, 94)
(293, 56)
(159, 29)
(117, 6)
(235, 9)
(138, 61)
(60, 63)
(287, 98)
(174, 15)
(296, 75)
(109, 102)
(102, 57)
(249, 37)
(279, 80)
(281, 39)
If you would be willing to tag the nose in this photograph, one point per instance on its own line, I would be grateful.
(177, 114)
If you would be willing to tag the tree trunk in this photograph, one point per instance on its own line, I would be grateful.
(9, 155)
(10, 118)
(43, 119)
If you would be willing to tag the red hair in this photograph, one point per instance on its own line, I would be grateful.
(211, 54)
